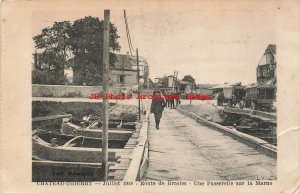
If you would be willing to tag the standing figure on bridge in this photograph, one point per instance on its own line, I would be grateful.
(157, 106)
(168, 99)
(172, 100)
(220, 99)
(177, 98)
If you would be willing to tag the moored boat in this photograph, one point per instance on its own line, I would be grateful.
(93, 131)
(59, 147)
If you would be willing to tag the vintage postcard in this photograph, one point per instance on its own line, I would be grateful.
(150, 96)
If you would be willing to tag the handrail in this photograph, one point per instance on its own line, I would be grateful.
(133, 171)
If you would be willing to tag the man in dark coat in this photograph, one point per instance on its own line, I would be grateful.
(220, 99)
(168, 101)
(157, 106)
(172, 99)
(177, 98)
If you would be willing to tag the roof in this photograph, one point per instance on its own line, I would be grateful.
(207, 86)
(183, 82)
(272, 48)
(226, 85)
(270, 51)
(124, 62)
(251, 86)
(221, 86)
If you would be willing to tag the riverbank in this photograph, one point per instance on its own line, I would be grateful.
(258, 144)
(204, 109)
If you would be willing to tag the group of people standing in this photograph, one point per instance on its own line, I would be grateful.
(172, 100)
(158, 105)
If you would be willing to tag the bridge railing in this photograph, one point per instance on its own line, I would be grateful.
(139, 160)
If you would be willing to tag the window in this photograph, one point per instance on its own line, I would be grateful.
(122, 77)
(270, 94)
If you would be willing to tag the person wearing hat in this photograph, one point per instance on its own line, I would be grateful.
(157, 106)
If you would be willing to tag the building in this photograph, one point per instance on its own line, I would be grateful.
(262, 95)
(204, 89)
(266, 69)
(173, 84)
(125, 72)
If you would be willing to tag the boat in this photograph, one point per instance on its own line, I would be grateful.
(59, 147)
(117, 132)
(97, 122)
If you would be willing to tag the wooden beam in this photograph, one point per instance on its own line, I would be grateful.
(47, 163)
(105, 90)
(51, 117)
(133, 172)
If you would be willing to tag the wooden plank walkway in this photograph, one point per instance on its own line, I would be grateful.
(183, 149)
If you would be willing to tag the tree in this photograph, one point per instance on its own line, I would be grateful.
(77, 45)
(55, 45)
(86, 43)
(189, 78)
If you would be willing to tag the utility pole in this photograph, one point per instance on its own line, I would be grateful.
(105, 90)
(175, 80)
(138, 80)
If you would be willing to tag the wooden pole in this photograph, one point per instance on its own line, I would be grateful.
(138, 75)
(175, 80)
(105, 90)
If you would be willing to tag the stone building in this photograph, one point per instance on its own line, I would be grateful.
(125, 72)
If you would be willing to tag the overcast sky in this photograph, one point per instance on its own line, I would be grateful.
(214, 46)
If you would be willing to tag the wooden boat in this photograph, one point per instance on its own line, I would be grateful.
(59, 147)
(94, 131)
(112, 124)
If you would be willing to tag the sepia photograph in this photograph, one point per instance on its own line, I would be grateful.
(150, 96)
(176, 108)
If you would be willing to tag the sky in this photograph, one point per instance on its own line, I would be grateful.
(214, 45)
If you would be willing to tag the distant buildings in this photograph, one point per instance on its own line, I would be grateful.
(204, 89)
(173, 84)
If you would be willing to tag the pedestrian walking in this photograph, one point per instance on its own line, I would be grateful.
(157, 106)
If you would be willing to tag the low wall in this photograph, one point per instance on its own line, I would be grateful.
(64, 91)
(74, 91)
